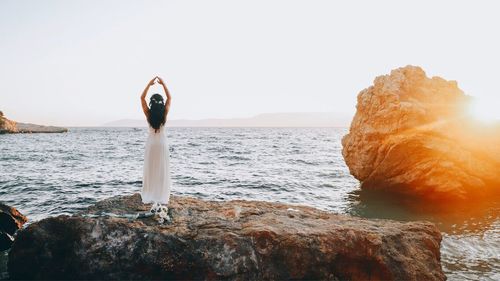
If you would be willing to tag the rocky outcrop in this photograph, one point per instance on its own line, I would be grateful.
(11, 127)
(411, 135)
(235, 240)
(10, 221)
(6, 125)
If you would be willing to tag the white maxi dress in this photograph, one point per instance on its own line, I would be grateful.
(156, 181)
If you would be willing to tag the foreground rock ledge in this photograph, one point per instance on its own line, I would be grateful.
(235, 240)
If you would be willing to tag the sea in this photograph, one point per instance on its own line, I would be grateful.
(45, 175)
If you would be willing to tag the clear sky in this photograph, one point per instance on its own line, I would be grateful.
(86, 62)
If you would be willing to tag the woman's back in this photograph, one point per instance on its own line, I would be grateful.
(160, 133)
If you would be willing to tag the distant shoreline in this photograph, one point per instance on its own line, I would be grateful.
(267, 120)
(8, 126)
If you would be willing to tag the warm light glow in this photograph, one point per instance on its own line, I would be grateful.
(484, 110)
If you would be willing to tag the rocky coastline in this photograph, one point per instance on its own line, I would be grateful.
(230, 240)
(11, 127)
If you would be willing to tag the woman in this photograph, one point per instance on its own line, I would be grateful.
(156, 178)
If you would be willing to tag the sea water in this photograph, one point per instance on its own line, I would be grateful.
(46, 175)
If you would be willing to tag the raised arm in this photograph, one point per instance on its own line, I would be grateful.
(144, 104)
(169, 97)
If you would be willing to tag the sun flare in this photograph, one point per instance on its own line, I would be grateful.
(484, 110)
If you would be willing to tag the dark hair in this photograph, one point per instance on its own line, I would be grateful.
(156, 117)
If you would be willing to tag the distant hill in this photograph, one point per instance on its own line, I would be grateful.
(302, 119)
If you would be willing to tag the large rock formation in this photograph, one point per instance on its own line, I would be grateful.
(411, 135)
(10, 221)
(11, 127)
(235, 240)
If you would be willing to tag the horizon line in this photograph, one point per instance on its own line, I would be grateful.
(215, 127)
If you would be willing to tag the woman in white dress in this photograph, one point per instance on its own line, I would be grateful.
(156, 180)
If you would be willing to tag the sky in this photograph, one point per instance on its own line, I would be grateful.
(85, 63)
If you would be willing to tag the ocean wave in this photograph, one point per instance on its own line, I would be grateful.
(234, 157)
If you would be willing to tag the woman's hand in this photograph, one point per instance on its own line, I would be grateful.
(152, 82)
(160, 81)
